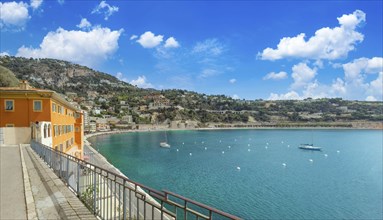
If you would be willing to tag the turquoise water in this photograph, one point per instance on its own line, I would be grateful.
(345, 184)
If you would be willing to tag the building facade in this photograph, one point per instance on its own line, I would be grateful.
(27, 113)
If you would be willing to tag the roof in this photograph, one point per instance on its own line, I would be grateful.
(26, 88)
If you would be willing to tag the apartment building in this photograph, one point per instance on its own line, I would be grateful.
(43, 115)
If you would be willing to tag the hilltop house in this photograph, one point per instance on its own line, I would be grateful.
(42, 115)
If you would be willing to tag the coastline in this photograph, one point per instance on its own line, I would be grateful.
(104, 163)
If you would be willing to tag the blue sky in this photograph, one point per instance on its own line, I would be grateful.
(243, 49)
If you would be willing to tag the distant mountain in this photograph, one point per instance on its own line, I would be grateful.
(61, 76)
(97, 90)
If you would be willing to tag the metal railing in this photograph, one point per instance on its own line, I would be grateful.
(112, 196)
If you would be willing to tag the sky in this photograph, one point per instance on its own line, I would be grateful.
(242, 49)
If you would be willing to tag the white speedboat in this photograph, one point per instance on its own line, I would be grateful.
(309, 147)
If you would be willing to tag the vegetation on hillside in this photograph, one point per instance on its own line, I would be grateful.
(106, 92)
(7, 78)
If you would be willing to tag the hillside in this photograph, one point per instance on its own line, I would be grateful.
(104, 95)
(7, 78)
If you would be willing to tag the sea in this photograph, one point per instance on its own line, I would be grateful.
(259, 174)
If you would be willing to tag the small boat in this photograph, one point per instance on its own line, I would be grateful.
(165, 144)
(309, 147)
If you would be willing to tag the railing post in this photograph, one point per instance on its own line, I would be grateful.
(124, 200)
(94, 190)
(67, 170)
(60, 170)
(78, 179)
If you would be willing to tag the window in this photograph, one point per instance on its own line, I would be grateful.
(37, 105)
(65, 131)
(77, 129)
(61, 129)
(45, 130)
(71, 140)
(55, 130)
(9, 125)
(60, 109)
(49, 130)
(9, 105)
(53, 107)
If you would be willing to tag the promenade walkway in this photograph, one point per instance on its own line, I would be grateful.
(31, 190)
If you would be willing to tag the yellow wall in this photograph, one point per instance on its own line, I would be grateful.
(23, 113)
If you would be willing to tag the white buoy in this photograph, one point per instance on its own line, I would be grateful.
(223, 152)
(311, 160)
(325, 155)
(238, 168)
(229, 147)
(205, 148)
(338, 151)
(220, 141)
(266, 147)
(190, 154)
(267, 143)
(248, 145)
(283, 164)
(248, 150)
(282, 142)
(202, 142)
(183, 142)
(288, 145)
(177, 150)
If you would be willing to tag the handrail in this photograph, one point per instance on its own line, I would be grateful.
(110, 195)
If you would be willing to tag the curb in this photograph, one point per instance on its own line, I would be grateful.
(30, 202)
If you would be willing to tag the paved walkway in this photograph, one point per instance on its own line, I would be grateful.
(37, 186)
(12, 199)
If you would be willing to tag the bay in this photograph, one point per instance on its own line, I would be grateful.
(259, 174)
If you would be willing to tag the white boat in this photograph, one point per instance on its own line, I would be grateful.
(309, 147)
(165, 144)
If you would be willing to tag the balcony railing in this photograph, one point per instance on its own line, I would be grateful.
(112, 196)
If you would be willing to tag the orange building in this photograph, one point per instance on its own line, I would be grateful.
(27, 113)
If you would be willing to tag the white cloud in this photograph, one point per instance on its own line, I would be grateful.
(35, 4)
(356, 83)
(275, 76)
(133, 37)
(361, 66)
(13, 15)
(327, 43)
(287, 96)
(83, 47)
(302, 74)
(84, 24)
(171, 42)
(149, 40)
(208, 73)
(371, 98)
(235, 96)
(121, 77)
(2, 54)
(232, 81)
(141, 82)
(106, 9)
(210, 47)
